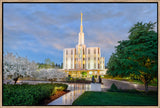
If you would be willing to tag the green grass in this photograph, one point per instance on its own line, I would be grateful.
(117, 98)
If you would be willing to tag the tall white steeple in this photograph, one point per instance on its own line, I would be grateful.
(81, 34)
(81, 29)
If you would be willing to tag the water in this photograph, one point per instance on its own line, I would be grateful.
(75, 91)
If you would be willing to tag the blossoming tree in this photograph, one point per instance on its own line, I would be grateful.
(16, 67)
(51, 74)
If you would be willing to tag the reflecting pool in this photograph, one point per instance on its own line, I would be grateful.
(75, 91)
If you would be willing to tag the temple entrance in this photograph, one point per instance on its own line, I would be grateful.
(83, 73)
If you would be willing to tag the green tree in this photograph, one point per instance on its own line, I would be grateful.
(84, 74)
(48, 63)
(53, 64)
(137, 56)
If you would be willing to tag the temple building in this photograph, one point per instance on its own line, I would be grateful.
(82, 59)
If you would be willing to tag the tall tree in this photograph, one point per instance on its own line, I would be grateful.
(138, 55)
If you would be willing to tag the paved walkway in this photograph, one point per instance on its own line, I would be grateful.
(75, 91)
(126, 85)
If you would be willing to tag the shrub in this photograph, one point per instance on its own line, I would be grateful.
(26, 94)
(113, 88)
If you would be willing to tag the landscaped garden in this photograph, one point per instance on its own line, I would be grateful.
(117, 98)
(26, 94)
(153, 82)
(70, 79)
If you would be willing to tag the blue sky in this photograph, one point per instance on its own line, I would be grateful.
(42, 30)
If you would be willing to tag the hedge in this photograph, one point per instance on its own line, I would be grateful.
(26, 94)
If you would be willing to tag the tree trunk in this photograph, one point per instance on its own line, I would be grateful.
(16, 79)
(146, 87)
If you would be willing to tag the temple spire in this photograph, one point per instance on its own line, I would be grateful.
(81, 29)
(81, 34)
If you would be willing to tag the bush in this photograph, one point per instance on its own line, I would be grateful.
(113, 88)
(108, 76)
(76, 80)
(26, 94)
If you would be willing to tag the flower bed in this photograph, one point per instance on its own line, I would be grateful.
(54, 97)
(26, 94)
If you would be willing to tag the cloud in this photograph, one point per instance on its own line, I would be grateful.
(51, 27)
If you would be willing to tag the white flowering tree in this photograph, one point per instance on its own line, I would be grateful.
(51, 74)
(16, 67)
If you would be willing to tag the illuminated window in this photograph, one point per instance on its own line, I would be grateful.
(88, 51)
(94, 51)
(98, 50)
(88, 65)
(83, 62)
(67, 52)
(71, 52)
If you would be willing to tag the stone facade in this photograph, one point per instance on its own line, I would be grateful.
(82, 59)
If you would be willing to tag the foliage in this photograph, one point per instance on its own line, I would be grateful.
(49, 64)
(117, 98)
(51, 74)
(59, 88)
(29, 94)
(132, 79)
(15, 67)
(138, 56)
(84, 74)
(113, 88)
(70, 79)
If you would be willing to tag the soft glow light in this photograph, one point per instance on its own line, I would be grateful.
(82, 59)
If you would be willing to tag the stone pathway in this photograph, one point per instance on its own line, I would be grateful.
(126, 85)
(75, 91)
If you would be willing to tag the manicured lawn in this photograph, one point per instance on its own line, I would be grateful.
(117, 98)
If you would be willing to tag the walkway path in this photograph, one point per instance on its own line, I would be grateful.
(126, 85)
(75, 91)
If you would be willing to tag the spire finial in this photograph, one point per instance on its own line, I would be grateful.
(81, 18)
(81, 29)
